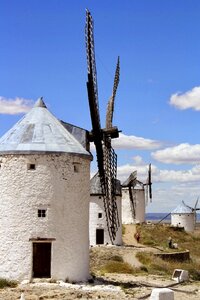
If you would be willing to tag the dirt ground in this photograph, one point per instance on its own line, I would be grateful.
(110, 286)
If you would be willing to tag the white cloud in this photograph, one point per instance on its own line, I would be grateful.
(134, 142)
(176, 176)
(181, 154)
(14, 106)
(190, 99)
(131, 142)
(138, 164)
(160, 176)
(138, 160)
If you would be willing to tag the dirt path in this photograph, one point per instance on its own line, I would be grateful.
(128, 237)
(133, 247)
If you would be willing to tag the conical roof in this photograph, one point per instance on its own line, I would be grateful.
(182, 209)
(39, 131)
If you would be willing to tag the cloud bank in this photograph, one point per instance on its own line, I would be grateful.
(181, 154)
(132, 142)
(14, 106)
(160, 175)
(190, 99)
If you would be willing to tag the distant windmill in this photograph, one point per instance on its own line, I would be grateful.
(146, 189)
(106, 157)
(183, 216)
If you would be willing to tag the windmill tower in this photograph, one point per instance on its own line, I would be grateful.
(185, 216)
(44, 185)
(106, 157)
(98, 229)
(135, 195)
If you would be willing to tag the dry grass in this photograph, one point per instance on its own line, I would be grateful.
(157, 235)
(158, 266)
(117, 267)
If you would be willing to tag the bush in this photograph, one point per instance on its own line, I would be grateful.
(116, 258)
(7, 283)
(117, 267)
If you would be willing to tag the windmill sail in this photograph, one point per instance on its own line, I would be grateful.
(110, 107)
(106, 157)
(131, 183)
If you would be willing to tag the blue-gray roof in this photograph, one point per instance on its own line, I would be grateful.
(40, 131)
(182, 209)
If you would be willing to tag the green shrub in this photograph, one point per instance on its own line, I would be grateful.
(117, 267)
(116, 258)
(123, 229)
(7, 283)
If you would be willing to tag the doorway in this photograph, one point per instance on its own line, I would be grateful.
(99, 236)
(41, 260)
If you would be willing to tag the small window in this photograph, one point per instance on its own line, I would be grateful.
(31, 166)
(76, 167)
(99, 215)
(42, 213)
(99, 197)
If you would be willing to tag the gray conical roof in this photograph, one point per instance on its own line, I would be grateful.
(40, 131)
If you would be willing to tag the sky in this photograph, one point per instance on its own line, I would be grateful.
(157, 105)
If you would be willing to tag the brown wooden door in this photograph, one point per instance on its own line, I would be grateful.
(99, 236)
(42, 260)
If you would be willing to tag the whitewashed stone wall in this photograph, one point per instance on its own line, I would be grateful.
(184, 220)
(127, 215)
(96, 207)
(55, 186)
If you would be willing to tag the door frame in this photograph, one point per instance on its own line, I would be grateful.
(41, 241)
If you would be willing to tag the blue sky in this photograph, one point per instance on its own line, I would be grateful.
(158, 99)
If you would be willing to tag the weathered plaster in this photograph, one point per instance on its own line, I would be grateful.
(184, 220)
(96, 207)
(55, 186)
(127, 215)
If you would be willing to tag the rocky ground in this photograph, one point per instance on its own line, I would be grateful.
(110, 286)
(114, 286)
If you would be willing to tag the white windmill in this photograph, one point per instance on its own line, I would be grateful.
(135, 195)
(185, 216)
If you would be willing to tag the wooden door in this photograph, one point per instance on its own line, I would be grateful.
(99, 236)
(42, 260)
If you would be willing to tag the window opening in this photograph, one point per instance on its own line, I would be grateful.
(42, 213)
(31, 166)
(99, 215)
(76, 167)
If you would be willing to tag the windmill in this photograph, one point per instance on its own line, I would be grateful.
(131, 184)
(193, 209)
(106, 157)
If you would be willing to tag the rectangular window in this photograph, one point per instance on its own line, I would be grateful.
(99, 215)
(42, 213)
(76, 167)
(31, 166)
